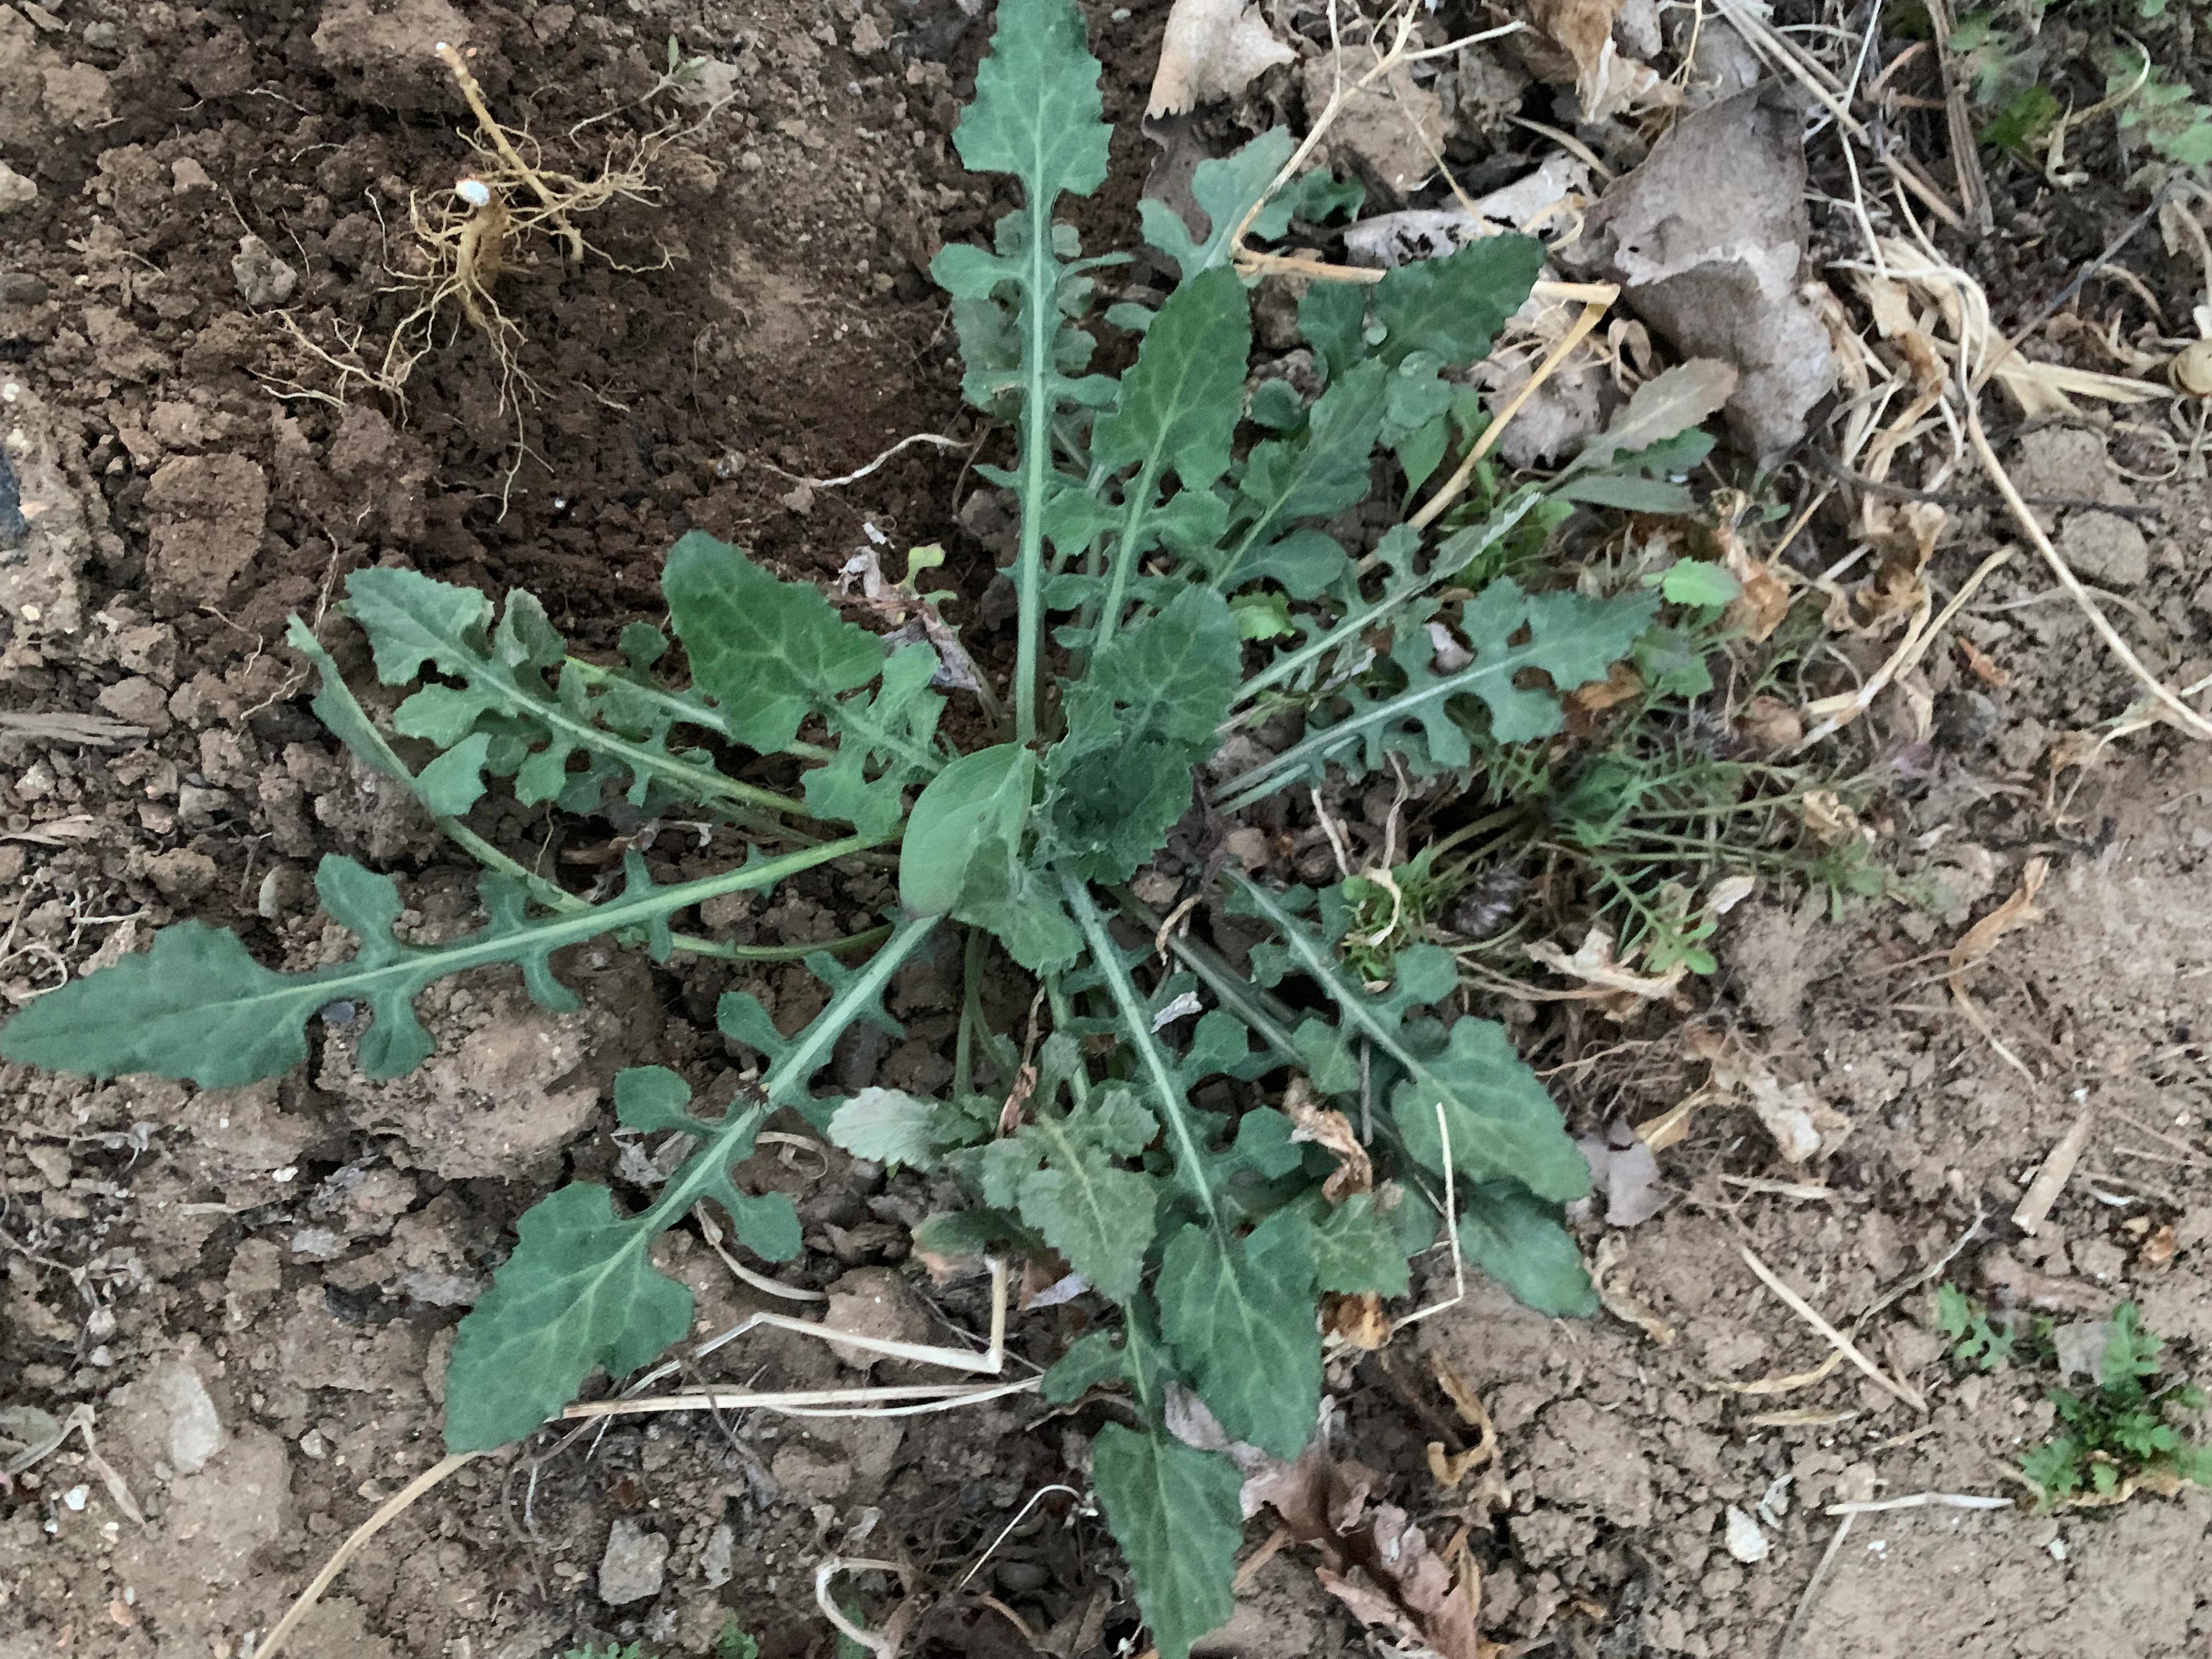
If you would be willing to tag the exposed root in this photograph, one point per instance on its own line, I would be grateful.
(462, 239)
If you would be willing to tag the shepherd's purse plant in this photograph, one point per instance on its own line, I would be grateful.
(1180, 579)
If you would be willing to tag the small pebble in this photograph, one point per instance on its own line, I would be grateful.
(1745, 1543)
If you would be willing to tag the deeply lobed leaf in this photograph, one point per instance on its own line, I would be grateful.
(579, 1290)
(198, 1006)
(772, 653)
(504, 718)
(1573, 639)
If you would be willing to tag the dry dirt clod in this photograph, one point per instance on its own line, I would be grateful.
(263, 278)
(15, 191)
(874, 1302)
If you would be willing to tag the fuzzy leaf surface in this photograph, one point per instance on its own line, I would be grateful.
(1101, 1216)
(887, 1125)
(1239, 1315)
(1037, 113)
(1501, 1122)
(578, 1293)
(1138, 723)
(581, 1291)
(1455, 305)
(1183, 397)
(771, 653)
(1358, 1248)
(1315, 474)
(508, 718)
(963, 855)
(1520, 1241)
(1174, 1510)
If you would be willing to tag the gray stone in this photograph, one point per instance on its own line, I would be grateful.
(634, 1566)
(195, 1431)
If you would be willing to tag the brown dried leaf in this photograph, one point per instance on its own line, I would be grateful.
(1759, 610)
(1612, 1251)
(2017, 911)
(1595, 963)
(1357, 1319)
(1621, 683)
(1370, 1604)
(1984, 666)
(1771, 724)
(1606, 82)
(1828, 819)
(1333, 1132)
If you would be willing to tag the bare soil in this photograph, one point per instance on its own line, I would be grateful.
(254, 1290)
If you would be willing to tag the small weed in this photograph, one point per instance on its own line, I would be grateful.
(1975, 1343)
(611, 1651)
(2114, 1437)
(1178, 575)
(735, 1641)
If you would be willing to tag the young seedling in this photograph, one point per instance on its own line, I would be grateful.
(1159, 511)
(2121, 1435)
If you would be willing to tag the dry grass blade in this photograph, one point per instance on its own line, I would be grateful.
(1920, 1500)
(2177, 712)
(386, 1513)
(1846, 1348)
(813, 1402)
(1921, 635)
(2035, 1207)
(1981, 939)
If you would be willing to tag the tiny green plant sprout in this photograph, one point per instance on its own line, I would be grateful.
(2127, 1430)
(1181, 580)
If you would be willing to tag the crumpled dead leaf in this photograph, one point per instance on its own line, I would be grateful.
(1333, 1133)
(1606, 82)
(1356, 1319)
(1828, 820)
(1212, 48)
(1596, 965)
(1769, 724)
(956, 669)
(1553, 192)
(1758, 610)
(2017, 911)
(1316, 1495)
(1622, 1168)
(1396, 1579)
(1801, 1123)
(1621, 683)
(1707, 238)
